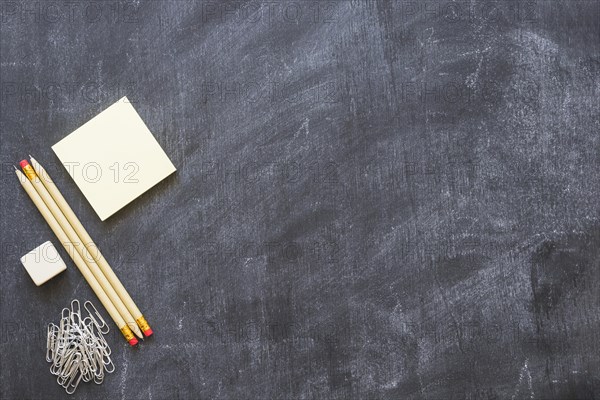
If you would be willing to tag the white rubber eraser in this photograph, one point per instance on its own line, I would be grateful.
(43, 263)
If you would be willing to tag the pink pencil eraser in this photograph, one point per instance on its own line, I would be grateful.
(148, 332)
(133, 342)
(24, 163)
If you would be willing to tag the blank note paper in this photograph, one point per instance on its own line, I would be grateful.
(113, 158)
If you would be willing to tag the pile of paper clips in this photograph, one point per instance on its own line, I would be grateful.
(77, 348)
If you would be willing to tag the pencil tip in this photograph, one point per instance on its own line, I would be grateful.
(16, 169)
(30, 156)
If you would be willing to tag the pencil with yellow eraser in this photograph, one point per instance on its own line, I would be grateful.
(79, 262)
(91, 247)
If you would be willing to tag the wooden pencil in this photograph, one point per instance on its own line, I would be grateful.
(91, 247)
(77, 259)
(77, 244)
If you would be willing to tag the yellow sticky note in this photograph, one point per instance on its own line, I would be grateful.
(113, 158)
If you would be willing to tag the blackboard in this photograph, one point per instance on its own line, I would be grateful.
(374, 200)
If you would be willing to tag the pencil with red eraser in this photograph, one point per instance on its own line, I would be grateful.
(79, 262)
(91, 247)
(78, 246)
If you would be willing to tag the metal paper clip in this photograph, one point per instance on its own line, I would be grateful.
(76, 347)
(100, 327)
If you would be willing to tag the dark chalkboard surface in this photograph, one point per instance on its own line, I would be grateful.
(374, 200)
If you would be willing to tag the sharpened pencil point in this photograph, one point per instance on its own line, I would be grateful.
(15, 167)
